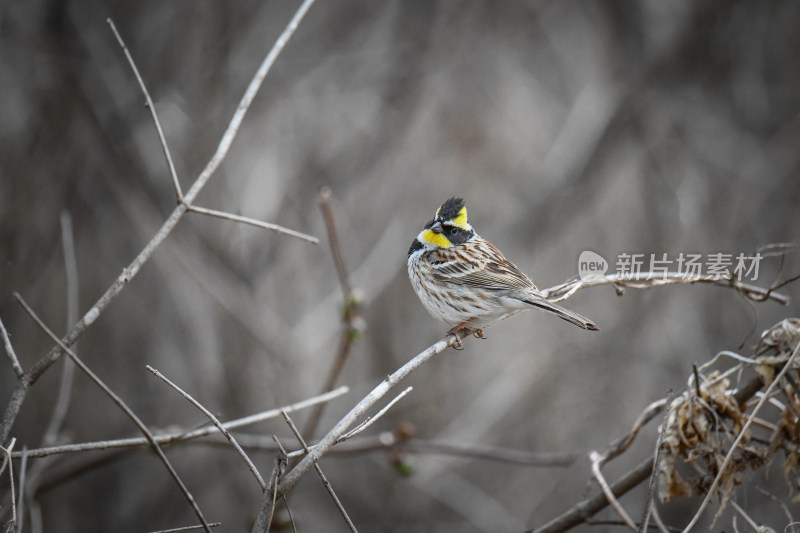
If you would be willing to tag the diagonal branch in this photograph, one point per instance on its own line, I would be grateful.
(294, 475)
(253, 222)
(216, 423)
(122, 405)
(170, 165)
(324, 479)
(10, 353)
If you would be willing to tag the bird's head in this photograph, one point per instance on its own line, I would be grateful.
(449, 227)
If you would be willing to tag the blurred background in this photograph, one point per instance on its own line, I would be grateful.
(622, 126)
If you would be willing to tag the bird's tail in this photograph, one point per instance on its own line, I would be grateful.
(570, 316)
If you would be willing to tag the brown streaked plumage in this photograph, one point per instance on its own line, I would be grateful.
(466, 281)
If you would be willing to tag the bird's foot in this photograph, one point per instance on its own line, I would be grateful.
(454, 331)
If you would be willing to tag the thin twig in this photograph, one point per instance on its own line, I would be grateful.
(164, 146)
(597, 460)
(7, 461)
(372, 419)
(184, 435)
(352, 323)
(216, 423)
(10, 352)
(388, 441)
(294, 475)
(186, 528)
(253, 222)
(325, 481)
(129, 272)
(739, 437)
(68, 368)
(23, 470)
(651, 489)
(324, 200)
(285, 499)
(622, 444)
(122, 405)
(267, 508)
(662, 527)
(750, 522)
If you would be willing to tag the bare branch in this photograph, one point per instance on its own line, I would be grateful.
(186, 528)
(325, 481)
(372, 419)
(651, 489)
(216, 423)
(750, 522)
(23, 470)
(184, 435)
(10, 353)
(587, 508)
(68, 370)
(324, 200)
(267, 508)
(170, 165)
(622, 444)
(597, 460)
(122, 405)
(7, 461)
(294, 475)
(647, 280)
(353, 324)
(253, 222)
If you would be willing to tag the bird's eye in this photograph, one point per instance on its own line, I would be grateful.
(453, 231)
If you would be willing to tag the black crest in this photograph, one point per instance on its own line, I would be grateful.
(449, 209)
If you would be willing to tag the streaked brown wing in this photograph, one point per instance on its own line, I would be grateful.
(477, 263)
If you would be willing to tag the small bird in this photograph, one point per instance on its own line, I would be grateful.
(464, 280)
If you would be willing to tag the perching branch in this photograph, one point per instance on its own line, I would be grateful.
(341, 427)
(647, 280)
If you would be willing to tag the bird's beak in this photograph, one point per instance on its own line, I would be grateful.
(436, 228)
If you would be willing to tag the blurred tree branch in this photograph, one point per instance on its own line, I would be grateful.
(34, 373)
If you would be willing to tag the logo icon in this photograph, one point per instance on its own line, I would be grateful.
(591, 265)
